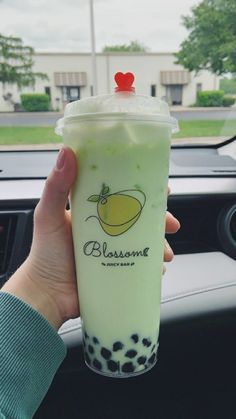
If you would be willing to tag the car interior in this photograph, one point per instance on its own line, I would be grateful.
(195, 373)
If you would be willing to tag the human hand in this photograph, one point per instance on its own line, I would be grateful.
(172, 226)
(47, 279)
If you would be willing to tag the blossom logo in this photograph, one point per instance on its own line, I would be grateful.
(118, 212)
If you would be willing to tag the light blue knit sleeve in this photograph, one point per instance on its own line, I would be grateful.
(31, 351)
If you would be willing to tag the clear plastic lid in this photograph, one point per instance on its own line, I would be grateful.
(124, 103)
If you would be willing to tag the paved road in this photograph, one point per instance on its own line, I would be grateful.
(50, 118)
(29, 119)
(205, 114)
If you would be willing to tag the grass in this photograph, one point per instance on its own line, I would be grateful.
(43, 135)
(28, 135)
(212, 128)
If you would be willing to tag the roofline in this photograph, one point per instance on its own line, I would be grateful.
(104, 53)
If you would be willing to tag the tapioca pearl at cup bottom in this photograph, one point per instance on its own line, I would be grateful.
(86, 335)
(135, 338)
(131, 353)
(95, 340)
(106, 353)
(117, 346)
(112, 365)
(152, 359)
(146, 342)
(87, 358)
(97, 364)
(128, 367)
(140, 368)
(90, 349)
(141, 360)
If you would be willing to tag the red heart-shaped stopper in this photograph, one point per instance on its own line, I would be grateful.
(124, 82)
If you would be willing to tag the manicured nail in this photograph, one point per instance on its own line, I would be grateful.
(61, 159)
(179, 225)
(175, 220)
(168, 248)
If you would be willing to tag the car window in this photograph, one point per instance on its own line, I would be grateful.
(53, 53)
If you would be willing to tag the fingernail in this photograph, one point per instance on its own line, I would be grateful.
(61, 159)
(168, 248)
(177, 222)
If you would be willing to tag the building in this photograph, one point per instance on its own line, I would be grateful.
(70, 78)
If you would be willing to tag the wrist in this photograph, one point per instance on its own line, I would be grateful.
(22, 286)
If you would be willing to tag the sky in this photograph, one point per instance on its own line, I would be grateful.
(56, 25)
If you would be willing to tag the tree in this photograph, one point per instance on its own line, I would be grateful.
(212, 37)
(16, 62)
(133, 46)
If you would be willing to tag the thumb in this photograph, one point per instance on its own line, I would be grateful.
(50, 211)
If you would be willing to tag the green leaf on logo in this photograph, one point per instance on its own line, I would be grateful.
(93, 198)
(105, 190)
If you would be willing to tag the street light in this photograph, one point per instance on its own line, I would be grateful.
(93, 49)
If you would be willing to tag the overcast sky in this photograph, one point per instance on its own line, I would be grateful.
(56, 25)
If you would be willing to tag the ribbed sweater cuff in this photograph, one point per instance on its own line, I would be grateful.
(30, 352)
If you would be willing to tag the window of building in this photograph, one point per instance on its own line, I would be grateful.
(174, 94)
(199, 87)
(153, 90)
(70, 93)
(48, 91)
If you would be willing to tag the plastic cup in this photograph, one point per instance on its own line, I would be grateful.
(118, 206)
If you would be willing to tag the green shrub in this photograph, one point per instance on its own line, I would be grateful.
(210, 98)
(35, 102)
(228, 101)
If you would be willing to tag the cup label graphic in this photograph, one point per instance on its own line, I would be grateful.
(118, 212)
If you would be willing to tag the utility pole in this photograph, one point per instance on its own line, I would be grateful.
(93, 49)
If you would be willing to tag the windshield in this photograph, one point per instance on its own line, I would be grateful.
(53, 53)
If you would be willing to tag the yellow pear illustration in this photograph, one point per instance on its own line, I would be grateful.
(118, 212)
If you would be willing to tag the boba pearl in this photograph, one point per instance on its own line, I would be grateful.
(112, 365)
(95, 340)
(97, 364)
(151, 360)
(141, 360)
(131, 353)
(87, 358)
(106, 354)
(146, 342)
(117, 346)
(128, 367)
(135, 338)
(86, 335)
(90, 349)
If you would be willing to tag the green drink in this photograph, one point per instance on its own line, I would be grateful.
(118, 206)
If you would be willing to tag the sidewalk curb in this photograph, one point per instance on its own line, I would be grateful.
(203, 109)
(172, 109)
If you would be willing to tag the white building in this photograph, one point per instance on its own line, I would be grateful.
(70, 78)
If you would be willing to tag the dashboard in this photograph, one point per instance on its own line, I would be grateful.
(198, 310)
